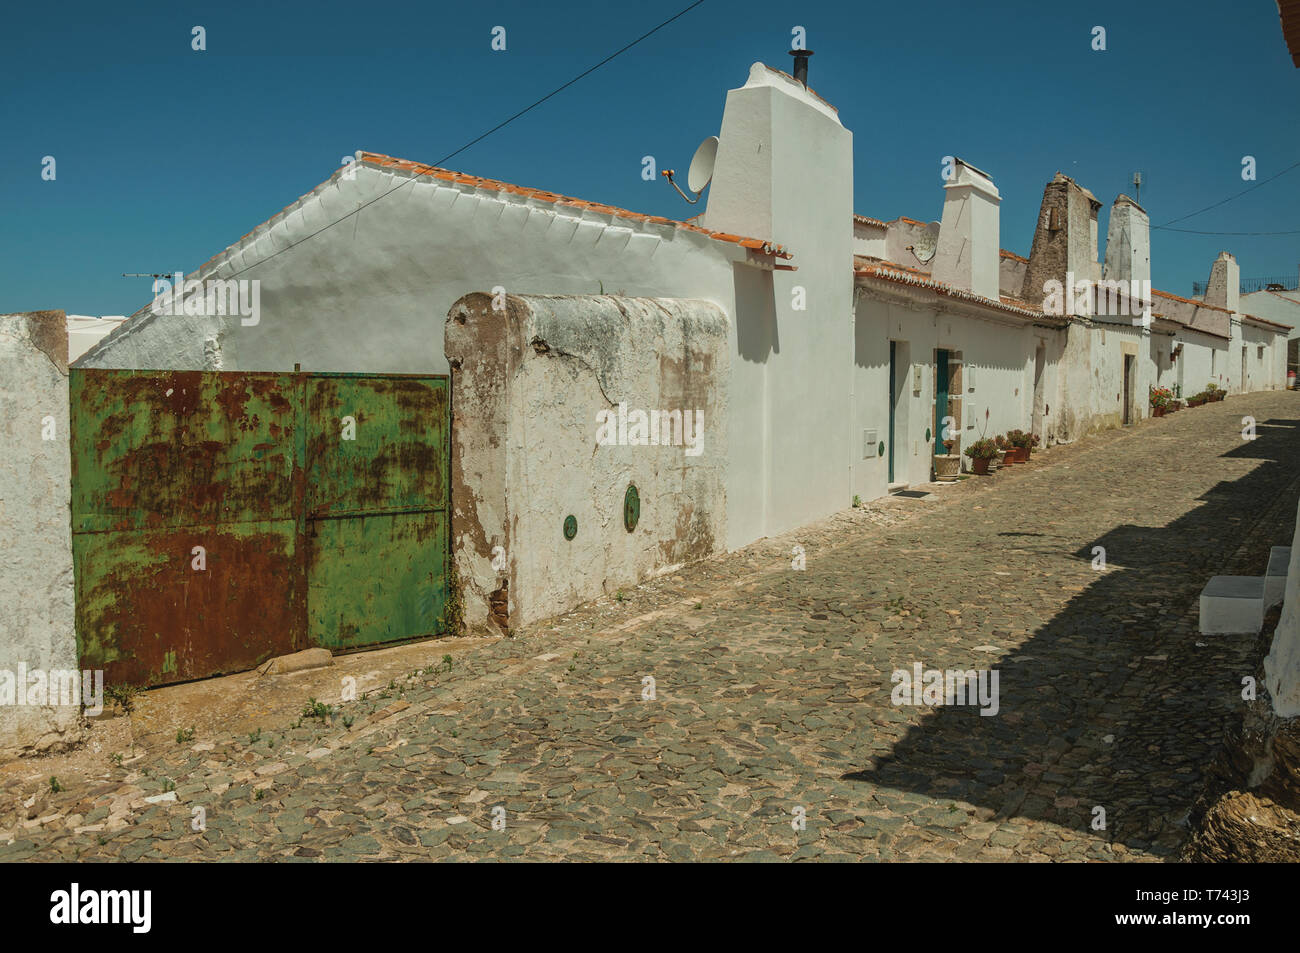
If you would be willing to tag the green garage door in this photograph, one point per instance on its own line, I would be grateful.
(376, 509)
(222, 518)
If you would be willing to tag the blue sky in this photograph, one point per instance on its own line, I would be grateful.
(166, 155)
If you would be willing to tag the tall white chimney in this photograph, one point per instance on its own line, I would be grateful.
(968, 252)
(1224, 289)
(1128, 242)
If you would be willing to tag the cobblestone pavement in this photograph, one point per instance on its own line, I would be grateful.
(773, 692)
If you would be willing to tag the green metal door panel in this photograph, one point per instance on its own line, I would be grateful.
(941, 399)
(376, 444)
(893, 370)
(178, 448)
(307, 538)
(147, 614)
(376, 579)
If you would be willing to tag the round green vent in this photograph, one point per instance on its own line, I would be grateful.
(927, 434)
(570, 527)
(631, 507)
(881, 449)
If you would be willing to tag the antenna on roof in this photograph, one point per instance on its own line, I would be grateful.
(701, 171)
(1137, 187)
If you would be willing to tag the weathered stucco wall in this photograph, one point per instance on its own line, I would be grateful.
(529, 381)
(371, 293)
(36, 594)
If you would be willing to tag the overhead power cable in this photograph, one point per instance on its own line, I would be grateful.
(1193, 231)
(1229, 199)
(498, 126)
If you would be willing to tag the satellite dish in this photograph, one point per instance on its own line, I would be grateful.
(701, 170)
(927, 243)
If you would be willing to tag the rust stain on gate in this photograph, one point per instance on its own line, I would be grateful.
(195, 507)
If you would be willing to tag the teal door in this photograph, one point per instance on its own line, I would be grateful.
(941, 400)
(892, 386)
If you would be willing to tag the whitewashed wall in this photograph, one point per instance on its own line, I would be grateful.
(36, 591)
(785, 171)
(997, 359)
(372, 294)
(528, 383)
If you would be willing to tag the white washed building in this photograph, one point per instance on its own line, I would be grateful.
(849, 339)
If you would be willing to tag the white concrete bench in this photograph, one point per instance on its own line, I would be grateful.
(1279, 559)
(1232, 604)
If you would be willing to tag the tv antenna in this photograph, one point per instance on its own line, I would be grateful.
(701, 171)
(1137, 187)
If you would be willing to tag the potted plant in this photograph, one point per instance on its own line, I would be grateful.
(1196, 399)
(1214, 392)
(1021, 444)
(948, 466)
(1000, 442)
(1161, 400)
(980, 453)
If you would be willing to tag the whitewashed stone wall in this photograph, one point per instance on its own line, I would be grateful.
(36, 586)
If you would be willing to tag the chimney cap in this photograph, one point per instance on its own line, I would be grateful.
(960, 161)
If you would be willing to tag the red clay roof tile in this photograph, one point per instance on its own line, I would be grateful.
(493, 185)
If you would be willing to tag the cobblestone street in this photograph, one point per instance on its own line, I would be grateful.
(773, 692)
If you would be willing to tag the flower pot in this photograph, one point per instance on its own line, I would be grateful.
(1157, 411)
(946, 467)
(1018, 455)
(979, 465)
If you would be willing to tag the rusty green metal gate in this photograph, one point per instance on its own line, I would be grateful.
(221, 518)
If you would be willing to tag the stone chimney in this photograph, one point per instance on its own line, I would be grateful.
(968, 251)
(1224, 289)
(1128, 242)
(1065, 239)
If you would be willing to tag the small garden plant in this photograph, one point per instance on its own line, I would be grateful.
(983, 449)
(317, 709)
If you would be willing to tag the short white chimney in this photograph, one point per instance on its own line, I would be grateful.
(1224, 289)
(967, 255)
(1128, 242)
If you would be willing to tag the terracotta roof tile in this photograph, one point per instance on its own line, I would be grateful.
(1199, 304)
(1265, 322)
(868, 220)
(493, 185)
(901, 274)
